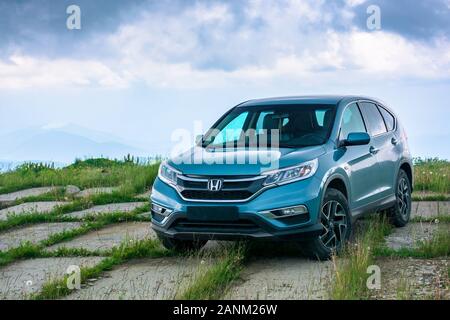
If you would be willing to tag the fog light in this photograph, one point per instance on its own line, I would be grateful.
(161, 210)
(285, 212)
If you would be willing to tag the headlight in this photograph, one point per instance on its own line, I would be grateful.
(300, 172)
(167, 173)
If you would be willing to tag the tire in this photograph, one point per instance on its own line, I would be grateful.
(181, 245)
(336, 213)
(400, 213)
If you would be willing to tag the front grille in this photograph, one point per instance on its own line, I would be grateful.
(242, 225)
(234, 188)
(216, 195)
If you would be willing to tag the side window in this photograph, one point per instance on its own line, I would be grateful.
(372, 116)
(320, 117)
(352, 121)
(261, 118)
(388, 118)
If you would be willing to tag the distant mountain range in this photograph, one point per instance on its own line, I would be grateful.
(61, 145)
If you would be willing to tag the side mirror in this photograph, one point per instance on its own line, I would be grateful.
(356, 139)
(199, 140)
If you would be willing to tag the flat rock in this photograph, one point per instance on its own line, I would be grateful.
(141, 280)
(71, 190)
(282, 278)
(8, 198)
(34, 233)
(30, 207)
(94, 191)
(22, 278)
(410, 235)
(109, 237)
(425, 209)
(444, 208)
(107, 208)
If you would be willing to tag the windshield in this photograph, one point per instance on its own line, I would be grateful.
(285, 126)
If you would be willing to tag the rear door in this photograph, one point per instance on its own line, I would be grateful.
(381, 147)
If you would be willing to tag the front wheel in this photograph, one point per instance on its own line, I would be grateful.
(181, 245)
(337, 227)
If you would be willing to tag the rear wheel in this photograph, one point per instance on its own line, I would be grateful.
(400, 213)
(181, 245)
(336, 224)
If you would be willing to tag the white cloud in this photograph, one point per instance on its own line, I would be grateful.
(22, 71)
(209, 45)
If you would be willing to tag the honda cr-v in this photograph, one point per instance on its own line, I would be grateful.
(295, 168)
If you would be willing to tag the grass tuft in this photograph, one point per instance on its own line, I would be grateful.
(214, 282)
(350, 268)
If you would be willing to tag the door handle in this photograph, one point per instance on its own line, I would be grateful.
(373, 150)
(394, 141)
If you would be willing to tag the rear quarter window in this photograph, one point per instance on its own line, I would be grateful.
(389, 119)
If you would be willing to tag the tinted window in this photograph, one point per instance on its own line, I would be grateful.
(351, 121)
(294, 126)
(388, 118)
(372, 116)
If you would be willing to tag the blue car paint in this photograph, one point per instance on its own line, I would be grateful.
(369, 177)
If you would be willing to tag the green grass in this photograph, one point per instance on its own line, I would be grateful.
(350, 267)
(132, 177)
(212, 282)
(92, 222)
(55, 289)
(430, 197)
(76, 205)
(440, 218)
(26, 250)
(437, 247)
(432, 175)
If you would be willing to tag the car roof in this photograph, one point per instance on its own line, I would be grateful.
(317, 99)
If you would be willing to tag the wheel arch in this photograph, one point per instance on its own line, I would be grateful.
(407, 167)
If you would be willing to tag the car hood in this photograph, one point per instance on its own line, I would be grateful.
(214, 162)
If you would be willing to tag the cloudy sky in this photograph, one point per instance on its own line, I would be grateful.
(139, 70)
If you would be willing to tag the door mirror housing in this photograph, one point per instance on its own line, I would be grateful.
(356, 139)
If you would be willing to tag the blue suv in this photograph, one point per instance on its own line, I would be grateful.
(327, 161)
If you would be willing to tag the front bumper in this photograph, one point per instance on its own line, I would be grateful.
(250, 223)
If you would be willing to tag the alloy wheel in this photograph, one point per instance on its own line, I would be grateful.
(403, 197)
(334, 223)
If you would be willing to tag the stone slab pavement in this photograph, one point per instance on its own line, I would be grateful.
(94, 191)
(282, 278)
(8, 198)
(109, 236)
(107, 208)
(20, 279)
(140, 280)
(33, 233)
(428, 209)
(30, 207)
(410, 235)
